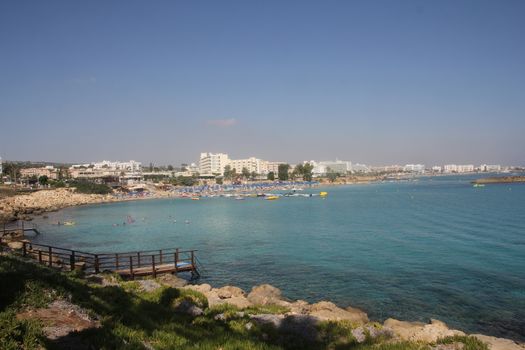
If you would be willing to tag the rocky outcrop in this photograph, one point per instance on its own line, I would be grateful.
(172, 281)
(265, 294)
(19, 207)
(327, 311)
(62, 321)
(148, 285)
(417, 331)
(188, 308)
(225, 295)
(499, 343)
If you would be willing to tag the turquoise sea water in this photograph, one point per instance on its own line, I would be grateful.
(433, 248)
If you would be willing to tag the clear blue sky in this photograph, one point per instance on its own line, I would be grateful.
(379, 82)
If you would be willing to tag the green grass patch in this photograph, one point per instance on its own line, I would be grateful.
(471, 343)
(266, 309)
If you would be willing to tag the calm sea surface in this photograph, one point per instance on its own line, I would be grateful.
(432, 248)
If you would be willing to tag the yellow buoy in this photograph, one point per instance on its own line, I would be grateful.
(323, 194)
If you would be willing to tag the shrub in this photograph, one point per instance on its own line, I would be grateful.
(91, 188)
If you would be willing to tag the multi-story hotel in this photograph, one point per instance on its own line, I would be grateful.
(453, 168)
(213, 163)
(49, 171)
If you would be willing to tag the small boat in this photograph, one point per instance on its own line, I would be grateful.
(272, 198)
(323, 194)
(69, 223)
(195, 198)
(478, 185)
(239, 198)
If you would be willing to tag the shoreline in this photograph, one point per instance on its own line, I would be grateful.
(268, 295)
(277, 312)
(24, 207)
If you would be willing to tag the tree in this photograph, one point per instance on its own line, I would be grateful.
(282, 172)
(12, 170)
(150, 167)
(331, 175)
(297, 171)
(228, 173)
(62, 173)
(271, 176)
(218, 180)
(253, 175)
(170, 167)
(245, 173)
(307, 172)
(43, 180)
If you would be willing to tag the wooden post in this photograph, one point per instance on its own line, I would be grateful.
(192, 260)
(138, 259)
(72, 260)
(116, 261)
(160, 252)
(50, 260)
(39, 256)
(176, 260)
(153, 266)
(131, 266)
(24, 253)
(96, 264)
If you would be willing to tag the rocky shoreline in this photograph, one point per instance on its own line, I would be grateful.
(500, 180)
(23, 207)
(298, 316)
(305, 316)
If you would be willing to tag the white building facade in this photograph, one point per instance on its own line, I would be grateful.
(414, 168)
(213, 163)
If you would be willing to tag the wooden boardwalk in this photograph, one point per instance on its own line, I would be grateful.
(128, 264)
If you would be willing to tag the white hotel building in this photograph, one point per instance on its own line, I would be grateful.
(214, 163)
(211, 164)
(453, 168)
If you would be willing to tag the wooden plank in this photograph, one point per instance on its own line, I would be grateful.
(165, 268)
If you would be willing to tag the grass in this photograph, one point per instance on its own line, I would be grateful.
(471, 343)
(134, 319)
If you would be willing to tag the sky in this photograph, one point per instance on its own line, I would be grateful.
(375, 82)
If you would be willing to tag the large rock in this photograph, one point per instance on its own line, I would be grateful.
(228, 295)
(188, 308)
(15, 245)
(361, 333)
(172, 281)
(265, 294)
(299, 307)
(268, 319)
(229, 292)
(417, 331)
(225, 295)
(303, 325)
(328, 311)
(148, 285)
(499, 343)
(62, 321)
(202, 288)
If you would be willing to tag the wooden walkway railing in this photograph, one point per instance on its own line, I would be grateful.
(128, 264)
(20, 227)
